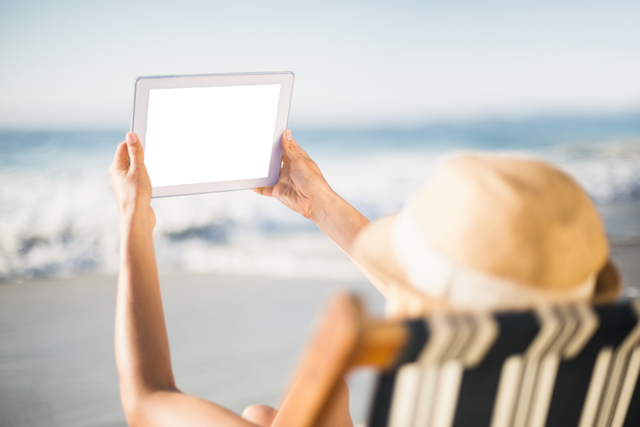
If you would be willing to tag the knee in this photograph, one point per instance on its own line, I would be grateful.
(261, 415)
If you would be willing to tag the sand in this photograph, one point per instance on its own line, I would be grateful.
(234, 341)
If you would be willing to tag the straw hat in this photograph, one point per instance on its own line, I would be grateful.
(491, 232)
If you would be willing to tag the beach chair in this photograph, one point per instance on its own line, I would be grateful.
(575, 365)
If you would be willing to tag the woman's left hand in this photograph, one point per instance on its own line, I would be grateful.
(130, 180)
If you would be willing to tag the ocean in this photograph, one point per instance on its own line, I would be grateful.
(58, 216)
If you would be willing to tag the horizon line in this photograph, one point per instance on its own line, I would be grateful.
(630, 115)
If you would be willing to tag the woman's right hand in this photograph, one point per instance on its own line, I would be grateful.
(301, 185)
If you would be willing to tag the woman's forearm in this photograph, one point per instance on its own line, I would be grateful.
(142, 345)
(340, 221)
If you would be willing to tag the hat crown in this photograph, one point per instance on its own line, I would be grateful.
(518, 219)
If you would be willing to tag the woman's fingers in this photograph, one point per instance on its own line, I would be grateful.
(283, 179)
(129, 179)
(135, 150)
(295, 147)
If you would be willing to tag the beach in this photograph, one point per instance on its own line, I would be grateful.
(234, 340)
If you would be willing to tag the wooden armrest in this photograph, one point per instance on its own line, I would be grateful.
(345, 338)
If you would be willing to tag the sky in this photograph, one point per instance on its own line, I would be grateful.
(72, 64)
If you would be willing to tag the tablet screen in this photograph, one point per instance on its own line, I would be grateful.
(209, 134)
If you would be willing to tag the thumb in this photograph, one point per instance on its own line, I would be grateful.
(135, 150)
(288, 144)
(265, 191)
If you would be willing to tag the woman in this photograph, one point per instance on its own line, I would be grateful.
(147, 386)
(484, 233)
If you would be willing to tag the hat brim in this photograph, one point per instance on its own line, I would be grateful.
(373, 249)
(608, 284)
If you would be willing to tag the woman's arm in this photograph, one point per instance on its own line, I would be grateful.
(148, 390)
(302, 188)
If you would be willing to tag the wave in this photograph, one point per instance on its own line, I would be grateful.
(609, 171)
(56, 223)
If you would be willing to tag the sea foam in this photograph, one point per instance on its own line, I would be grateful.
(57, 222)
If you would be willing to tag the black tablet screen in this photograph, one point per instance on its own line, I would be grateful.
(206, 134)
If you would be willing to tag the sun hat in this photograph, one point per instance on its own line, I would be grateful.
(497, 233)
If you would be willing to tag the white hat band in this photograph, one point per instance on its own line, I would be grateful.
(438, 276)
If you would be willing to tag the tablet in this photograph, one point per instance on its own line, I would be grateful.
(213, 132)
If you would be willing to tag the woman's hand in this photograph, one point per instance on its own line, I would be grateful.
(302, 188)
(301, 185)
(130, 181)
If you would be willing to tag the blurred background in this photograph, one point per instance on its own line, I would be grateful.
(382, 90)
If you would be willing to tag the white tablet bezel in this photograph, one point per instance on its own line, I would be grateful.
(141, 105)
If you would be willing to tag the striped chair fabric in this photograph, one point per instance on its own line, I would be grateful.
(555, 367)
